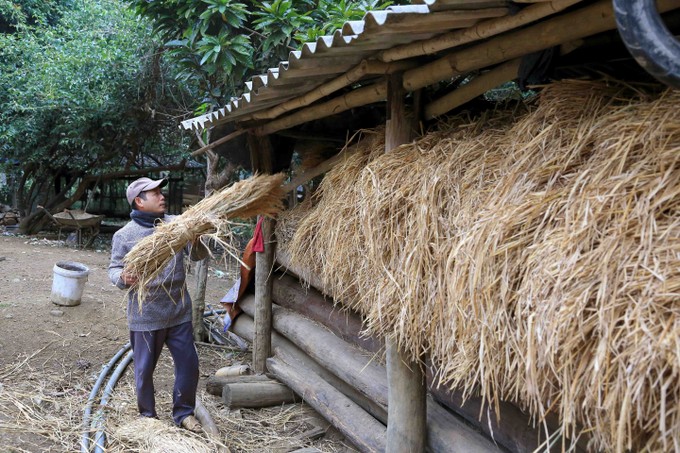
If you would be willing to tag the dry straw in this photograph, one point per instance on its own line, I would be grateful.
(210, 219)
(534, 256)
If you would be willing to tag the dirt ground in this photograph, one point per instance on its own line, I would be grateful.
(51, 356)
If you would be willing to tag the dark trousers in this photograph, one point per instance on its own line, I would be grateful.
(147, 347)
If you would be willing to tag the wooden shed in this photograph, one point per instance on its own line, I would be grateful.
(344, 343)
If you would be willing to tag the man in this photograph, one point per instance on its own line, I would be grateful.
(164, 317)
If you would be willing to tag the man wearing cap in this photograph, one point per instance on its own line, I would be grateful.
(164, 317)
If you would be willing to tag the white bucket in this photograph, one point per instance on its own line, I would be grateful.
(68, 283)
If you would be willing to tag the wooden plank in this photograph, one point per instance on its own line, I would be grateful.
(364, 431)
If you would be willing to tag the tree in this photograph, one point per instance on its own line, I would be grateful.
(220, 43)
(84, 98)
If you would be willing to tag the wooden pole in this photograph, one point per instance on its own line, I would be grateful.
(214, 385)
(245, 327)
(264, 263)
(283, 258)
(289, 293)
(313, 172)
(587, 21)
(349, 363)
(476, 87)
(406, 409)
(482, 30)
(256, 394)
(357, 425)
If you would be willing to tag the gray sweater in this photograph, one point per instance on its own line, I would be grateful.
(168, 303)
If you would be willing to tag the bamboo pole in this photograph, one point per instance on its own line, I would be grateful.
(482, 30)
(587, 21)
(356, 98)
(478, 86)
(366, 67)
(224, 139)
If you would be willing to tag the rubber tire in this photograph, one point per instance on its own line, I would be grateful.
(649, 41)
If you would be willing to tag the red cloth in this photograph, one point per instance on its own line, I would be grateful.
(258, 238)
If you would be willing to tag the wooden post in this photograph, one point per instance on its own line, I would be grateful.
(261, 153)
(406, 392)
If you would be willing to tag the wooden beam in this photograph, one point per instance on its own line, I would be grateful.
(355, 74)
(364, 431)
(480, 31)
(587, 21)
(406, 415)
(224, 139)
(357, 98)
(284, 259)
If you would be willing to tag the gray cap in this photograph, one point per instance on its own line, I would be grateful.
(142, 185)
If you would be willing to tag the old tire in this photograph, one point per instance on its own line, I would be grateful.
(649, 41)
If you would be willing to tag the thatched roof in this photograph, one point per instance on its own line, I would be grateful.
(534, 255)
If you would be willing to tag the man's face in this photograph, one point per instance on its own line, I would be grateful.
(151, 201)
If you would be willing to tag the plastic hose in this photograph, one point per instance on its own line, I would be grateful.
(85, 442)
(100, 437)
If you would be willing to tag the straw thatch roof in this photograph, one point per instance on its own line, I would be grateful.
(534, 255)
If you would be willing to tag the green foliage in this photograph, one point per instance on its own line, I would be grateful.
(85, 95)
(219, 43)
(15, 14)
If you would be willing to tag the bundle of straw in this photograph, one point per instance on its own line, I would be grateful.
(210, 219)
(535, 257)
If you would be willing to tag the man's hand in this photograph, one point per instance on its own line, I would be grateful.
(128, 279)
